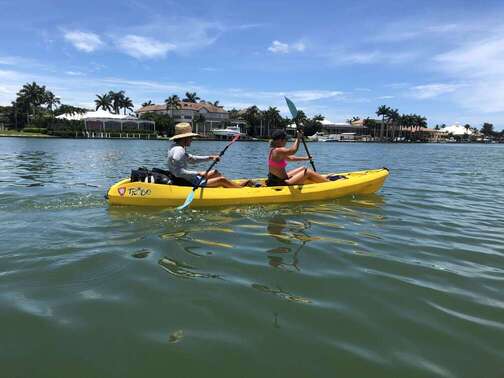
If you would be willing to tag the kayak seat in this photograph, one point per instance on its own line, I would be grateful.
(336, 177)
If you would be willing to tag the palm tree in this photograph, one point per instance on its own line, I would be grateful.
(104, 102)
(198, 120)
(127, 104)
(419, 122)
(172, 102)
(117, 98)
(382, 111)
(69, 109)
(393, 118)
(51, 100)
(216, 103)
(406, 122)
(148, 103)
(253, 116)
(373, 126)
(191, 97)
(313, 125)
(273, 118)
(487, 129)
(467, 127)
(32, 95)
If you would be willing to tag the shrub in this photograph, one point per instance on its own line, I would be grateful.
(37, 130)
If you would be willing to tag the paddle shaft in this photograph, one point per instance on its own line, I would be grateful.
(215, 162)
(294, 113)
(306, 148)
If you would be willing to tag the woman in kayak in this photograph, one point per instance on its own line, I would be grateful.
(178, 159)
(278, 157)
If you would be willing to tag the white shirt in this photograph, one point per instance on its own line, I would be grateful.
(178, 159)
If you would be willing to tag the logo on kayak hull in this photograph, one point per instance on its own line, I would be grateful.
(121, 190)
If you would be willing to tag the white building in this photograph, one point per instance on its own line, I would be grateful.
(457, 129)
(103, 124)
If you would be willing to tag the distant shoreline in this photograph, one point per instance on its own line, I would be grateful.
(44, 136)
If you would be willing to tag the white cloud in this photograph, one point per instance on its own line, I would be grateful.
(8, 74)
(312, 95)
(411, 29)
(479, 64)
(428, 91)
(342, 56)
(482, 58)
(278, 47)
(299, 46)
(75, 73)
(9, 60)
(143, 47)
(180, 34)
(87, 42)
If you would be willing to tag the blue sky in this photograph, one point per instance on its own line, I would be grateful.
(443, 59)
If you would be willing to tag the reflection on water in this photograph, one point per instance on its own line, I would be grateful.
(284, 231)
(182, 270)
(281, 293)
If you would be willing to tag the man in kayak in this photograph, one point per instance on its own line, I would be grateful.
(278, 157)
(178, 158)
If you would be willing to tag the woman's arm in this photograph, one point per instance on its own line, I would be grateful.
(284, 152)
(297, 158)
(195, 158)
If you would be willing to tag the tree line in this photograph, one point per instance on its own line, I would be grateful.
(393, 126)
(397, 127)
(35, 106)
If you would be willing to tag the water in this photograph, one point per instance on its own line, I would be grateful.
(408, 282)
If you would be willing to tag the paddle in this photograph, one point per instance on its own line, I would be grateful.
(202, 182)
(294, 114)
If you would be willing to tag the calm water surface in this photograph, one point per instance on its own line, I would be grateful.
(405, 283)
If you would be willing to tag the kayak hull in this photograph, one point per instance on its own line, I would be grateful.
(129, 193)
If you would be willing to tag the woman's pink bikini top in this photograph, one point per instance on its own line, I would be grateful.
(276, 164)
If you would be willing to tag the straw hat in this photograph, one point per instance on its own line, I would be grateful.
(183, 130)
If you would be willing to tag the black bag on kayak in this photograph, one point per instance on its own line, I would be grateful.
(156, 176)
(139, 174)
(160, 176)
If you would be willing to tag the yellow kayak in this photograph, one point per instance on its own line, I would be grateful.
(126, 192)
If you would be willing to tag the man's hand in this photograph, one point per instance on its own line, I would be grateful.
(215, 157)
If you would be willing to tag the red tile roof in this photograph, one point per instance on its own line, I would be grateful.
(185, 105)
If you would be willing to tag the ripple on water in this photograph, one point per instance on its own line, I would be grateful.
(401, 283)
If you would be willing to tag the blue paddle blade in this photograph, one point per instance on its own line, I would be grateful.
(292, 107)
(188, 201)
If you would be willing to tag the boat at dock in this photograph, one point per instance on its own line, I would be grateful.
(229, 131)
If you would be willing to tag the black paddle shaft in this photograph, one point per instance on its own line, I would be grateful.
(213, 165)
(306, 148)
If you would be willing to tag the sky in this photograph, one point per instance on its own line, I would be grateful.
(442, 59)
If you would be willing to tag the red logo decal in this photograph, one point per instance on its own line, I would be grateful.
(121, 190)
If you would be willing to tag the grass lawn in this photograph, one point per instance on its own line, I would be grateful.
(15, 133)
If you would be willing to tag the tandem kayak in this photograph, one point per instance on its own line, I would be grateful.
(137, 193)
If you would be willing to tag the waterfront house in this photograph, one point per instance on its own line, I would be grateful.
(102, 124)
(337, 128)
(204, 116)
